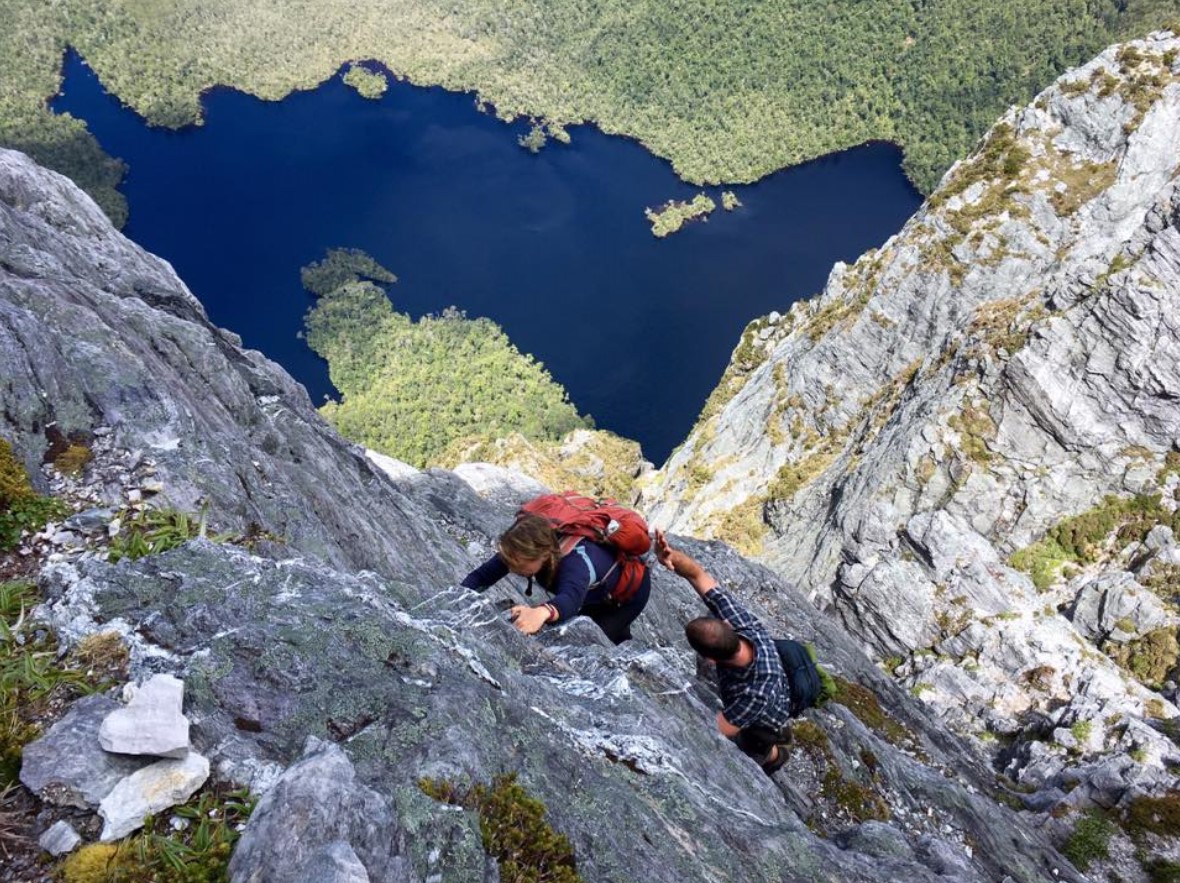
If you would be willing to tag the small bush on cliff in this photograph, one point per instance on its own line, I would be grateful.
(1163, 871)
(21, 508)
(1085, 538)
(30, 675)
(861, 702)
(152, 531)
(1151, 658)
(1154, 815)
(73, 459)
(199, 853)
(1089, 841)
(512, 824)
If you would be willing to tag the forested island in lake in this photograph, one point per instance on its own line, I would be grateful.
(728, 92)
(410, 389)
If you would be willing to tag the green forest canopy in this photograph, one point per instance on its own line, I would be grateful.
(409, 389)
(728, 90)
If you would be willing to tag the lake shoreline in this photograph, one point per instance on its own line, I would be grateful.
(466, 217)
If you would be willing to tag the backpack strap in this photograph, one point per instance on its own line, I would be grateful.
(630, 575)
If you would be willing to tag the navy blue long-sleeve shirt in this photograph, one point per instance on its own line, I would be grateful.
(584, 566)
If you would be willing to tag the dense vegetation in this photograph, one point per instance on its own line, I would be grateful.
(674, 215)
(1089, 537)
(197, 851)
(368, 84)
(409, 389)
(513, 828)
(729, 91)
(21, 508)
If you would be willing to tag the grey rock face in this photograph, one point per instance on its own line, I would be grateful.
(152, 723)
(439, 685)
(1114, 606)
(313, 823)
(335, 863)
(499, 483)
(59, 839)
(223, 426)
(1005, 362)
(67, 765)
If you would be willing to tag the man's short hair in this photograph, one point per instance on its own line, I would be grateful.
(712, 638)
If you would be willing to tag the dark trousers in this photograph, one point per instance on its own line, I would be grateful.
(757, 741)
(615, 619)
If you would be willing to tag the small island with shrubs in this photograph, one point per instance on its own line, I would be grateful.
(368, 83)
(676, 213)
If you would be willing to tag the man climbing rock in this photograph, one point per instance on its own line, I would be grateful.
(750, 677)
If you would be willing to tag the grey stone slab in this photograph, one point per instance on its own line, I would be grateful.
(68, 766)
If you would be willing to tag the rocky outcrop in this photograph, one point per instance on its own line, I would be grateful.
(100, 342)
(67, 765)
(414, 684)
(593, 462)
(351, 630)
(1006, 363)
(151, 723)
(148, 791)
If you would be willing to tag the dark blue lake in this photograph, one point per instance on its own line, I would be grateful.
(554, 246)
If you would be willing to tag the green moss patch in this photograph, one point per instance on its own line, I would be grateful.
(862, 703)
(744, 527)
(198, 853)
(791, 477)
(21, 508)
(512, 823)
(1089, 840)
(976, 431)
(855, 800)
(1087, 538)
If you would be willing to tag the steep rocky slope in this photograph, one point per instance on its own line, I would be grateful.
(343, 625)
(998, 385)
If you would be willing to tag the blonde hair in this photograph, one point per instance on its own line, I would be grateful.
(531, 539)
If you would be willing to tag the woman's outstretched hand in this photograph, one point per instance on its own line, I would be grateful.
(528, 619)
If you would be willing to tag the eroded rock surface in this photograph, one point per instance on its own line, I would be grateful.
(338, 618)
(1008, 362)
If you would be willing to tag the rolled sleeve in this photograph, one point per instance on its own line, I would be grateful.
(746, 710)
(726, 607)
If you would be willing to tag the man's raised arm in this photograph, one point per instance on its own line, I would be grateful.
(683, 565)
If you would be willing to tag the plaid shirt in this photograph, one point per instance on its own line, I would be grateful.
(759, 692)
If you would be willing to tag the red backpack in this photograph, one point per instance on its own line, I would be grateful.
(576, 517)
